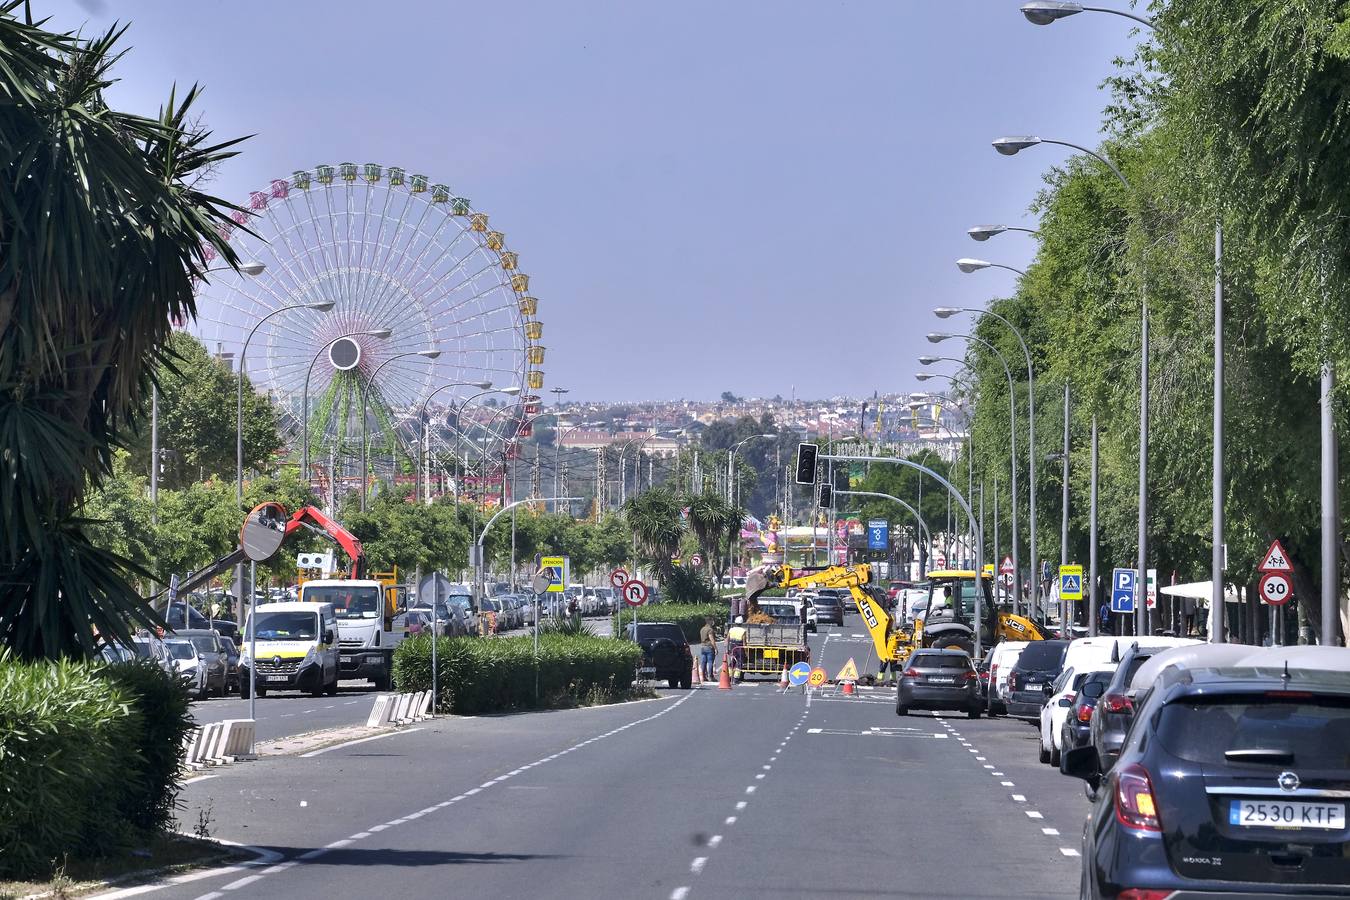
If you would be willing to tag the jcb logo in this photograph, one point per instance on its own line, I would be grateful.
(868, 614)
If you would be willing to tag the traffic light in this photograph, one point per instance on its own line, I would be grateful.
(806, 463)
(826, 498)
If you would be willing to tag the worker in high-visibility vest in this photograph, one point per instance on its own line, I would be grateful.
(735, 653)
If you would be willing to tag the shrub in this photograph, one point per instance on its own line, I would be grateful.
(89, 754)
(687, 586)
(162, 701)
(689, 616)
(477, 675)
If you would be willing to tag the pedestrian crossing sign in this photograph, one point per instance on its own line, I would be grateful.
(849, 672)
(1071, 582)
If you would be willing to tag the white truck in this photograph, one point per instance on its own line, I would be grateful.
(365, 618)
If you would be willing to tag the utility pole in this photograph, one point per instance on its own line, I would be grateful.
(1066, 606)
(1092, 538)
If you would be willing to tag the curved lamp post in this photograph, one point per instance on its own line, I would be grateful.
(304, 419)
(985, 232)
(1010, 146)
(1047, 12)
(946, 312)
(487, 388)
(731, 463)
(365, 398)
(938, 337)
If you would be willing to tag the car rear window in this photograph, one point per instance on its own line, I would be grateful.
(1314, 732)
(655, 632)
(940, 661)
(1041, 655)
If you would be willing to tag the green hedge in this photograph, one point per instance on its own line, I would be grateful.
(88, 759)
(689, 616)
(479, 675)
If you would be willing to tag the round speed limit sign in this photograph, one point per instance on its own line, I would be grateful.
(1276, 589)
(635, 593)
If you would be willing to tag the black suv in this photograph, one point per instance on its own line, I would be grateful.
(665, 652)
(1034, 672)
(1231, 782)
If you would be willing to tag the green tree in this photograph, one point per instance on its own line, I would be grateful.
(654, 518)
(101, 236)
(198, 417)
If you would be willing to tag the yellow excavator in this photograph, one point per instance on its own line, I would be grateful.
(946, 627)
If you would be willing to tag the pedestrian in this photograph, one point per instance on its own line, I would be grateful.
(707, 648)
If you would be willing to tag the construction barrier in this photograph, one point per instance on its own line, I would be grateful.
(399, 709)
(217, 743)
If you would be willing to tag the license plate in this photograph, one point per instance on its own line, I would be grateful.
(651, 672)
(278, 678)
(771, 654)
(941, 680)
(1032, 687)
(349, 659)
(1286, 814)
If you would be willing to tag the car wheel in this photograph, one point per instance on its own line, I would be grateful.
(901, 710)
(1054, 757)
(973, 713)
(687, 682)
(332, 689)
(262, 692)
(1042, 754)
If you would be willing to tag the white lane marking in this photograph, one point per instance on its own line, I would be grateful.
(1032, 814)
(336, 844)
(987, 766)
(714, 841)
(242, 882)
(364, 740)
(211, 896)
(750, 789)
(759, 776)
(809, 731)
(1068, 851)
(697, 865)
(1053, 832)
(282, 867)
(740, 804)
(199, 778)
(979, 759)
(1020, 798)
(374, 829)
(1007, 784)
(731, 820)
(679, 893)
(997, 774)
(767, 768)
(361, 835)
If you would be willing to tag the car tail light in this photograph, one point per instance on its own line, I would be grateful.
(1117, 703)
(911, 673)
(1085, 713)
(1135, 806)
(1070, 697)
(1144, 894)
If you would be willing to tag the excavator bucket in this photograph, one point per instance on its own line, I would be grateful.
(758, 581)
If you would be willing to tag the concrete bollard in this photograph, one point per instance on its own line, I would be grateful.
(239, 739)
(424, 708)
(380, 712)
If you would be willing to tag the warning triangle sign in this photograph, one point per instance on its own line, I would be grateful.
(1276, 559)
(1006, 566)
(849, 672)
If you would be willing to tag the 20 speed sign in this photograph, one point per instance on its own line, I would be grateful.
(1276, 589)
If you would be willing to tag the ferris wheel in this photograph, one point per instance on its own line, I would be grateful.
(376, 289)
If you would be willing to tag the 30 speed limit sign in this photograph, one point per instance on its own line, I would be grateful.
(1276, 588)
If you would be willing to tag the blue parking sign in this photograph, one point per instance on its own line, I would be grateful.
(1124, 584)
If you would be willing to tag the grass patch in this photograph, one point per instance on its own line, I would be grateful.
(164, 854)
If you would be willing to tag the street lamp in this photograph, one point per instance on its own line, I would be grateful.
(938, 337)
(557, 393)
(487, 388)
(968, 265)
(365, 397)
(731, 462)
(1047, 12)
(1010, 146)
(946, 312)
(354, 348)
(421, 423)
(985, 232)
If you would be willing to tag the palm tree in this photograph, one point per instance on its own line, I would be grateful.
(102, 236)
(654, 517)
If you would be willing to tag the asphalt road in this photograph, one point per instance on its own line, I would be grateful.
(290, 713)
(701, 793)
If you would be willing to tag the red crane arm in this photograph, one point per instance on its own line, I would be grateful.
(312, 516)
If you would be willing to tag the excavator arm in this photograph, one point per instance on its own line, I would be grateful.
(879, 623)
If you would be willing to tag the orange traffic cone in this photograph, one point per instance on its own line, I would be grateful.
(783, 679)
(697, 676)
(724, 682)
(848, 687)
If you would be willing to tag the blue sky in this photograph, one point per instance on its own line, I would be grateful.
(747, 195)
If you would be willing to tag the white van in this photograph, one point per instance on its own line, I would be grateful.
(297, 648)
(1091, 653)
(1001, 661)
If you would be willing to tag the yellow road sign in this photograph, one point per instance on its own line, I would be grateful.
(1071, 582)
(555, 565)
(849, 672)
(817, 677)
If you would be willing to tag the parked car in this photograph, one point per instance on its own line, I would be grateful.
(212, 656)
(666, 654)
(812, 617)
(783, 612)
(188, 664)
(1231, 782)
(1001, 661)
(1063, 693)
(182, 616)
(1115, 710)
(982, 683)
(148, 647)
(829, 606)
(938, 679)
(1037, 666)
(1076, 730)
